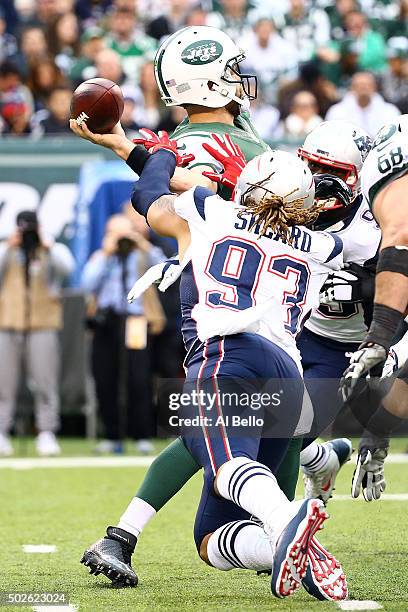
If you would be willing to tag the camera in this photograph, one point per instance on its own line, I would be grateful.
(27, 224)
(125, 246)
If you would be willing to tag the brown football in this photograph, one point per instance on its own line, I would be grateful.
(98, 102)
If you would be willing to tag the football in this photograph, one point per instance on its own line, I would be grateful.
(98, 102)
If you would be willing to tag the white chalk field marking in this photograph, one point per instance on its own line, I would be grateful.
(22, 463)
(75, 462)
(69, 608)
(39, 548)
(359, 605)
(384, 497)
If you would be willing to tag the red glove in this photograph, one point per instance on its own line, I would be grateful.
(232, 159)
(154, 142)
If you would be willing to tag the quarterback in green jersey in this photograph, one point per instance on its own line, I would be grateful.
(197, 68)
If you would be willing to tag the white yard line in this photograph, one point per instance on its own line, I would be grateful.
(22, 463)
(384, 497)
(355, 604)
(39, 548)
(68, 608)
(75, 462)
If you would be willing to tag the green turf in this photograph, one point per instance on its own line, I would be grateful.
(71, 507)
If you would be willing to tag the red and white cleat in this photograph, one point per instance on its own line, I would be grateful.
(291, 555)
(324, 578)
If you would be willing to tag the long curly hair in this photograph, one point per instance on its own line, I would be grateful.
(275, 213)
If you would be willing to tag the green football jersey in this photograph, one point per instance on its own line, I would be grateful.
(191, 136)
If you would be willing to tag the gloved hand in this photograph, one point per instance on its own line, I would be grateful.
(231, 157)
(154, 142)
(352, 284)
(368, 359)
(369, 473)
(328, 186)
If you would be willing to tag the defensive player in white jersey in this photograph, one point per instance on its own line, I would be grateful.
(339, 324)
(385, 184)
(255, 270)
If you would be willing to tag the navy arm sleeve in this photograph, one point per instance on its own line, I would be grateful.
(154, 180)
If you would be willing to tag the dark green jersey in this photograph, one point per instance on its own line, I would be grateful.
(191, 136)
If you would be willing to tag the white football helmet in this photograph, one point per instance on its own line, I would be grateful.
(337, 147)
(200, 65)
(277, 172)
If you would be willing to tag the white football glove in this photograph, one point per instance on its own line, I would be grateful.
(164, 273)
(369, 473)
(367, 357)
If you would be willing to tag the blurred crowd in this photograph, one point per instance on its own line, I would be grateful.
(313, 59)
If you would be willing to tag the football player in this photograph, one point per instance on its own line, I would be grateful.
(246, 304)
(384, 183)
(198, 68)
(338, 325)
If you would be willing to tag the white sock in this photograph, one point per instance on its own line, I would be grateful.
(242, 544)
(252, 486)
(136, 516)
(314, 457)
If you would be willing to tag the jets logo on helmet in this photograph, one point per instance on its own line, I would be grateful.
(202, 52)
(338, 148)
(200, 65)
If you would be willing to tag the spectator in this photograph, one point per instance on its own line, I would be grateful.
(46, 12)
(196, 16)
(337, 13)
(362, 48)
(398, 24)
(368, 108)
(8, 42)
(310, 79)
(16, 102)
(33, 48)
(303, 117)
(170, 21)
(151, 97)
(265, 118)
(232, 18)
(133, 48)
(394, 81)
(63, 39)
(132, 98)
(307, 29)
(83, 67)
(32, 269)
(54, 119)
(108, 66)
(43, 78)
(271, 57)
(92, 11)
(15, 114)
(121, 340)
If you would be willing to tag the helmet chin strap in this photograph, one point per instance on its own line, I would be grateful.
(243, 102)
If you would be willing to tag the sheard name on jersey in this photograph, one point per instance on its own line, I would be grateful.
(300, 240)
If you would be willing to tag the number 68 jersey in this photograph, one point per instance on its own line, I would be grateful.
(245, 282)
(388, 158)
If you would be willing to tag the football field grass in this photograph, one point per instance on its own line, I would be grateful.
(70, 508)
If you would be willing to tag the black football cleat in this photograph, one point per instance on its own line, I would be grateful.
(111, 556)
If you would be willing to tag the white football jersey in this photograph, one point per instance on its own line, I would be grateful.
(388, 158)
(344, 321)
(246, 282)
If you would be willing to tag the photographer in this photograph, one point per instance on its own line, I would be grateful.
(121, 340)
(32, 269)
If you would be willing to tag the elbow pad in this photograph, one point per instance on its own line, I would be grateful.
(154, 180)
